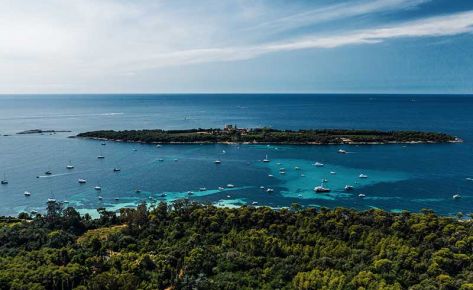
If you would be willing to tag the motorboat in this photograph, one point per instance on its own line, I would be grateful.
(217, 161)
(254, 203)
(261, 187)
(27, 193)
(158, 146)
(341, 151)
(363, 176)
(160, 159)
(98, 188)
(297, 168)
(456, 196)
(103, 144)
(348, 187)
(48, 172)
(116, 169)
(318, 164)
(269, 190)
(230, 185)
(361, 195)
(138, 191)
(202, 189)
(51, 199)
(221, 188)
(69, 166)
(100, 197)
(270, 175)
(82, 181)
(321, 188)
(333, 172)
(190, 193)
(100, 157)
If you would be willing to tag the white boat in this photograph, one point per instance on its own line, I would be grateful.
(469, 179)
(230, 185)
(116, 169)
(51, 199)
(103, 144)
(27, 193)
(348, 187)
(228, 196)
(217, 161)
(363, 176)
(282, 172)
(270, 175)
(65, 201)
(164, 194)
(100, 157)
(69, 166)
(266, 159)
(100, 197)
(254, 203)
(98, 188)
(190, 193)
(159, 145)
(324, 180)
(361, 195)
(261, 187)
(221, 188)
(318, 164)
(456, 196)
(282, 169)
(341, 151)
(82, 181)
(321, 188)
(299, 195)
(333, 172)
(202, 189)
(297, 168)
(302, 175)
(269, 190)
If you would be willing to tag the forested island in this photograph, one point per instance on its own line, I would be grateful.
(186, 245)
(271, 136)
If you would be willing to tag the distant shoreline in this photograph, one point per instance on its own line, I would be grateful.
(271, 136)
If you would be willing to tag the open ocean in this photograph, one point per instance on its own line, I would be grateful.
(401, 177)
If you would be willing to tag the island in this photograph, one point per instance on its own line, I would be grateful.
(41, 131)
(231, 134)
(185, 245)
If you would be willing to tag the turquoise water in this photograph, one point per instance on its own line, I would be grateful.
(401, 177)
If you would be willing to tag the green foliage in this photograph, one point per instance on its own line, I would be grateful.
(265, 135)
(190, 246)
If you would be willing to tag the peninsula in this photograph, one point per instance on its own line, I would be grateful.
(231, 134)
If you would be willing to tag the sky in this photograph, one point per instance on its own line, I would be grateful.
(236, 46)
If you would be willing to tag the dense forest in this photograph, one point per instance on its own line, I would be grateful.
(186, 245)
(266, 135)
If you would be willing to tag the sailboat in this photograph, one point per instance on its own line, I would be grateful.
(321, 188)
(266, 159)
(4, 180)
(70, 166)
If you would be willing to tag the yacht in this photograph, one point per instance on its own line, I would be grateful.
(69, 166)
(341, 151)
(82, 181)
(217, 161)
(261, 187)
(230, 185)
(100, 157)
(318, 164)
(456, 196)
(321, 188)
(266, 159)
(269, 190)
(100, 197)
(98, 188)
(348, 187)
(228, 196)
(361, 195)
(202, 189)
(116, 169)
(469, 179)
(333, 172)
(270, 175)
(221, 188)
(27, 193)
(363, 176)
(51, 199)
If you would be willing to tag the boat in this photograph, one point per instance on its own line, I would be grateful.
(361, 195)
(254, 203)
(270, 175)
(100, 157)
(160, 159)
(318, 164)
(469, 179)
(228, 196)
(261, 187)
(116, 169)
(363, 176)
(103, 144)
(230, 185)
(333, 172)
(217, 161)
(4, 180)
(134, 149)
(282, 169)
(324, 180)
(176, 159)
(302, 175)
(82, 181)
(116, 198)
(51, 199)
(297, 168)
(65, 201)
(341, 151)
(266, 159)
(48, 172)
(190, 193)
(27, 193)
(158, 146)
(98, 188)
(456, 196)
(269, 190)
(282, 172)
(137, 191)
(100, 197)
(221, 188)
(164, 194)
(69, 166)
(202, 189)
(321, 188)
(348, 187)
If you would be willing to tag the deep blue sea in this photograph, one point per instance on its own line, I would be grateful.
(400, 177)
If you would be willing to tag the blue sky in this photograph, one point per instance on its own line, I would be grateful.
(121, 46)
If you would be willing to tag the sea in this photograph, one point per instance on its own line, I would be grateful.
(401, 177)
